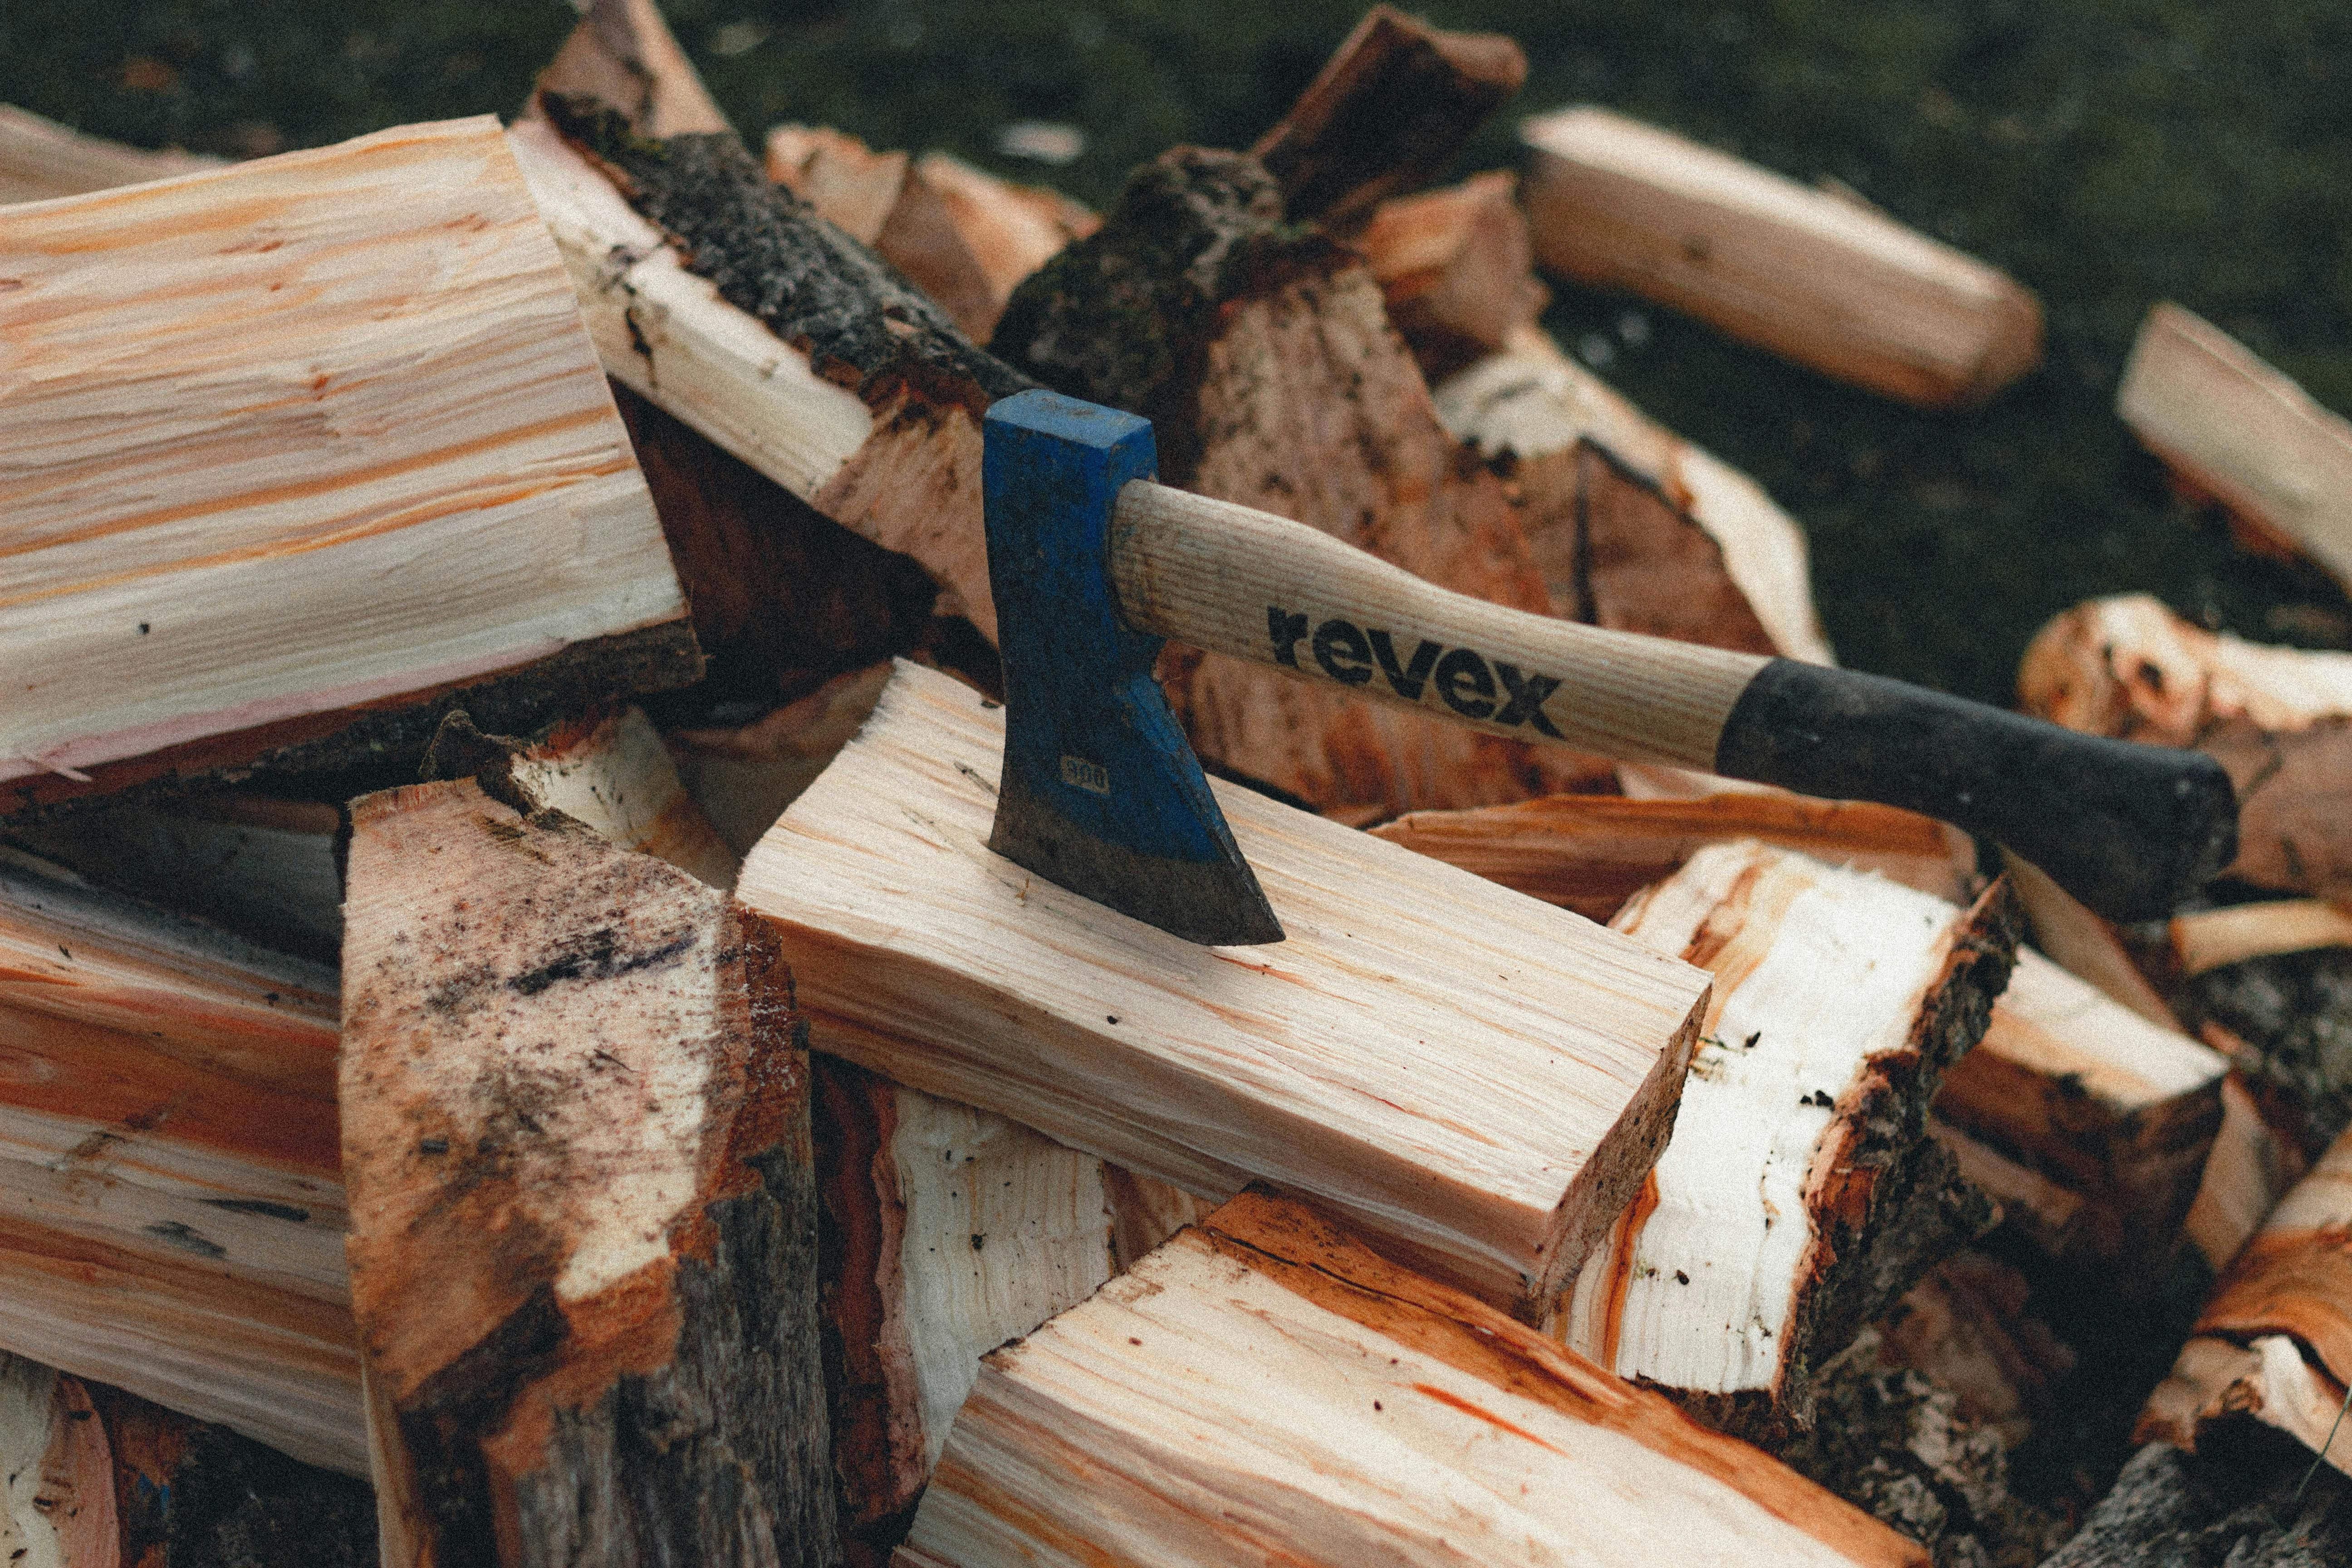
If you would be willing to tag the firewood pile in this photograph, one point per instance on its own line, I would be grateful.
(513, 1048)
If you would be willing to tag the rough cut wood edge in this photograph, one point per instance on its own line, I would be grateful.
(1531, 400)
(1590, 853)
(1456, 270)
(1011, 230)
(2082, 944)
(1801, 1193)
(245, 563)
(2274, 1339)
(261, 866)
(794, 349)
(575, 1103)
(744, 778)
(947, 1231)
(170, 1206)
(1827, 282)
(1386, 114)
(2279, 718)
(2212, 939)
(1264, 1388)
(925, 958)
(2251, 1168)
(2235, 429)
(2082, 1090)
(2049, 1215)
(41, 160)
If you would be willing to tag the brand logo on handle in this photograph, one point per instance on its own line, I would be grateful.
(1474, 686)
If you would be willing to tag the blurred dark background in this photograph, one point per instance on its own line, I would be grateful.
(2109, 153)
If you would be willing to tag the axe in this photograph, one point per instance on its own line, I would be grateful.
(1094, 566)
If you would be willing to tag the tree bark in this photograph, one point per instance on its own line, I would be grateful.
(924, 959)
(575, 1102)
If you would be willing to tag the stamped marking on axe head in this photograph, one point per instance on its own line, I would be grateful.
(1101, 792)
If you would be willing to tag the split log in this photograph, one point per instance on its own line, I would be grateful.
(260, 865)
(1802, 1191)
(2233, 428)
(2080, 1088)
(100, 1479)
(41, 160)
(623, 54)
(720, 299)
(1266, 360)
(2274, 1339)
(1265, 1388)
(2251, 1167)
(2215, 939)
(924, 957)
(1590, 853)
(171, 1210)
(2246, 1509)
(1456, 270)
(1639, 528)
(1826, 280)
(612, 773)
(1386, 114)
(2280, 720)
(947, 1231)
(965, 237)
(574, 1109)
(2050, 1217)
(332, 492)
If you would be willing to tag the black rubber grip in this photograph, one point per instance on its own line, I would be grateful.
(2130, 830)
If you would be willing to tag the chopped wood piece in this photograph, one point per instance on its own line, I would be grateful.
(1570, 440)
(1966, 1326)
(97, 1477)
(1145, 1212)
(2078, 1088)
(612, 771)
(2045, 1213)
(623, 54)
(262, 865)
(719, 298)
(744, 778)
(320, 486)
(1456, 270)
(1264, 1388)
(1387, 113)
(1011, 230)
(964, 237)
(584, 1215)
(923, 957)
(1832, 283)
(2250, 1170)
(948, 1231)
(1802, 1191)
(2233, 429)
(1266, 360)
(2274, 1339)
(2279, 718)
(2082, 944)
(2212, 939)
(1591, 852)
(41, 160)
(172, 1211)
(2170, 1510)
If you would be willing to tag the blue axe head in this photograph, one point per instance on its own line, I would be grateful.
(1101, 792)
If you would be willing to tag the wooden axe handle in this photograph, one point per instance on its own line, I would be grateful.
(2128, 829)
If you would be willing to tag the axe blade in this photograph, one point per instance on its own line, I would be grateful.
(1100, 792)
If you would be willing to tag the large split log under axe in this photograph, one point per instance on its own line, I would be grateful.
(1094, 566)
